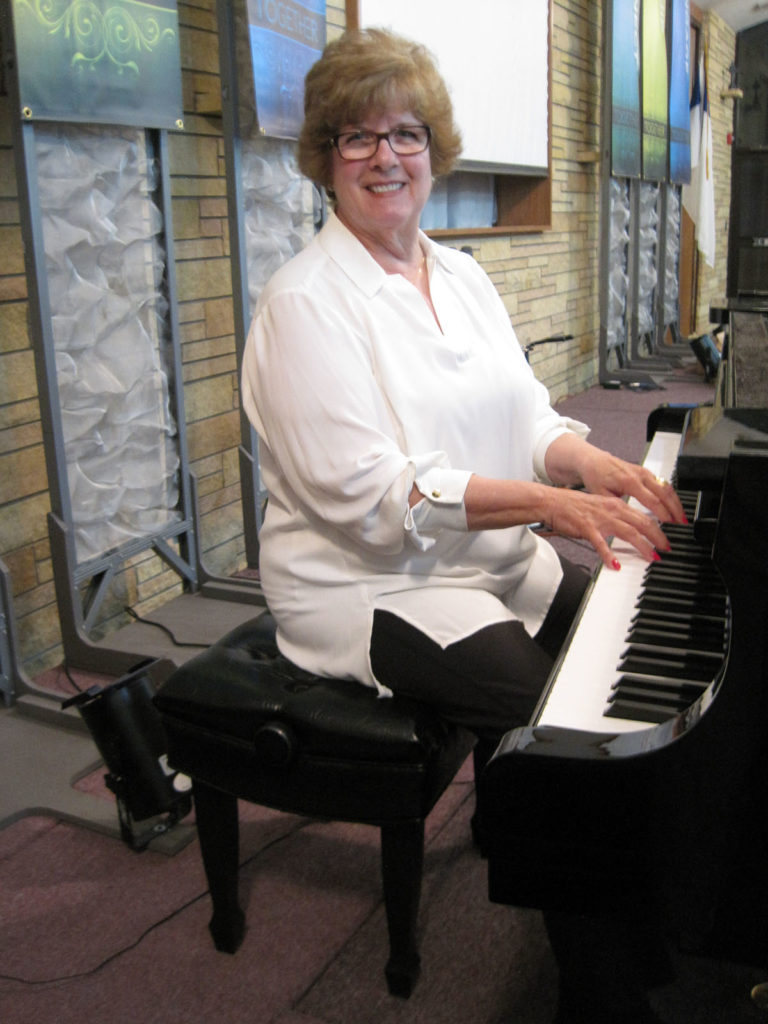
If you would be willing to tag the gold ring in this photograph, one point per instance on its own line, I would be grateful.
(661, 481)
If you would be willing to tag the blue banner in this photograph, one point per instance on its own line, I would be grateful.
(679, 91)
(287, 37)
(625, 90)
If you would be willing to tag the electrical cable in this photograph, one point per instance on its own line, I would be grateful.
(71, 679)
(165, 629)
(28, 982)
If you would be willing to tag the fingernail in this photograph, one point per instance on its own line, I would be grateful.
(656, 556)
(616, 563)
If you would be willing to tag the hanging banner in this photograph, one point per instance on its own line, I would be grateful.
(99, 61)
(625, 90)
(679, 90)
(655, 89)
(287, 37)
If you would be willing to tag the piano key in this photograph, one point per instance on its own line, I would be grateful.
(657, 688)
(662, 639)
(643, 715)
(686, 666)
(676, 607)
(656, 701)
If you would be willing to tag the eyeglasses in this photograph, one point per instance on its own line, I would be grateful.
(407, 140)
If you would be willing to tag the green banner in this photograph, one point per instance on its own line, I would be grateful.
(99, 61)
(655, 90)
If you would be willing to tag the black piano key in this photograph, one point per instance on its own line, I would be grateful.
(682, 583)
(674, 615)
(644, 705)
(677, 574)
(673, 691)
(677, 639)
(638, 711)
(655, 664)
(691, 625)
(694, 641)
(700, 603)
(678, 613)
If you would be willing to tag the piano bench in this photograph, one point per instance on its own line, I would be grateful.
(243, 722)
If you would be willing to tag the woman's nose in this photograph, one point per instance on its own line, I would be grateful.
(385, 155)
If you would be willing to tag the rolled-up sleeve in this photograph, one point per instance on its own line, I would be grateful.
(327, 425)
(549, 426)
(441, 508)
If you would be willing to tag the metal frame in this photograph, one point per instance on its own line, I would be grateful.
(81, 587)
(253, 492)
(636, 368)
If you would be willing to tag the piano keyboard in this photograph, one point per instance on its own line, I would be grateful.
(650, 638)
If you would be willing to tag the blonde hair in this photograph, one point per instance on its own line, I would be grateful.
(373, 70)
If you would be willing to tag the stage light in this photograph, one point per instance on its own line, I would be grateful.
(128, 732)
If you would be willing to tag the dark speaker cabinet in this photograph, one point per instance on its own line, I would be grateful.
(748, 234)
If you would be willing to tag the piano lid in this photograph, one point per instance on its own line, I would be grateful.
(710, 434)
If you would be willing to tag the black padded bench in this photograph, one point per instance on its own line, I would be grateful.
(243, 722)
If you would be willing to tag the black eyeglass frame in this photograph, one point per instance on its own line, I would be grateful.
(334, 142)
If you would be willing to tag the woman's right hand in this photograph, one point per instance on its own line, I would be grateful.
(595, 518)
(495, 504)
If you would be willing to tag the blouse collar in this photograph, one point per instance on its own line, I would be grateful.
(350, 254)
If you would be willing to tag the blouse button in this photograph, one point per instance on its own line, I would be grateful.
(436, 493)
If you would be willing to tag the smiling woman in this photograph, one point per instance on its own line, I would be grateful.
(374, 71)
(404, 443)
(380, 197)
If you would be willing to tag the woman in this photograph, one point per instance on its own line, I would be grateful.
(405, 445)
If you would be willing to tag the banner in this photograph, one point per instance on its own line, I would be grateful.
(286, 37)
(699, 196)
(655, 89)
(99, 61)
(679, 94)
(625, 90)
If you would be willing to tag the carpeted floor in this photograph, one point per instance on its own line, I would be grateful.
(93, 933)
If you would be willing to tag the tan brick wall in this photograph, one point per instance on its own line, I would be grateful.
(548, 282)
(24, 503)
(721, 42)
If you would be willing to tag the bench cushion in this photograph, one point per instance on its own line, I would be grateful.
(241, 717)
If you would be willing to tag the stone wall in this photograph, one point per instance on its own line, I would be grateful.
(548, 282)
(721, 44)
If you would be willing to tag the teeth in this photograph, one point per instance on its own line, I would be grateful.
(386, 188)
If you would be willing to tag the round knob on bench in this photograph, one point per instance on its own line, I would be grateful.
(274, 744)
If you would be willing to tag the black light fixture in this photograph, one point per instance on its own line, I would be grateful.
(128, 732)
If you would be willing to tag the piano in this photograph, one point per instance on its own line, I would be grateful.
(642, 778)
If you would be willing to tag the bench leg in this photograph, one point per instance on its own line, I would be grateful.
(402, 859)
(218, 829)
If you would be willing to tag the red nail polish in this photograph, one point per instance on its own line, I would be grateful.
(656, 556)
(616, 564)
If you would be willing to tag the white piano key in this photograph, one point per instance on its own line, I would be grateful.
(579, 694)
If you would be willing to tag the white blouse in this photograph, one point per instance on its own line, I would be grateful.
(355, 393)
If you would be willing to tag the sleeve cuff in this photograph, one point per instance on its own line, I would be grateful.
(441, 508)
(564, 426)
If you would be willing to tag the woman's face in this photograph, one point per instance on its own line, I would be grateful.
(383, 193)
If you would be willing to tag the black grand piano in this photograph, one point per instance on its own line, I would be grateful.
(642, 779)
